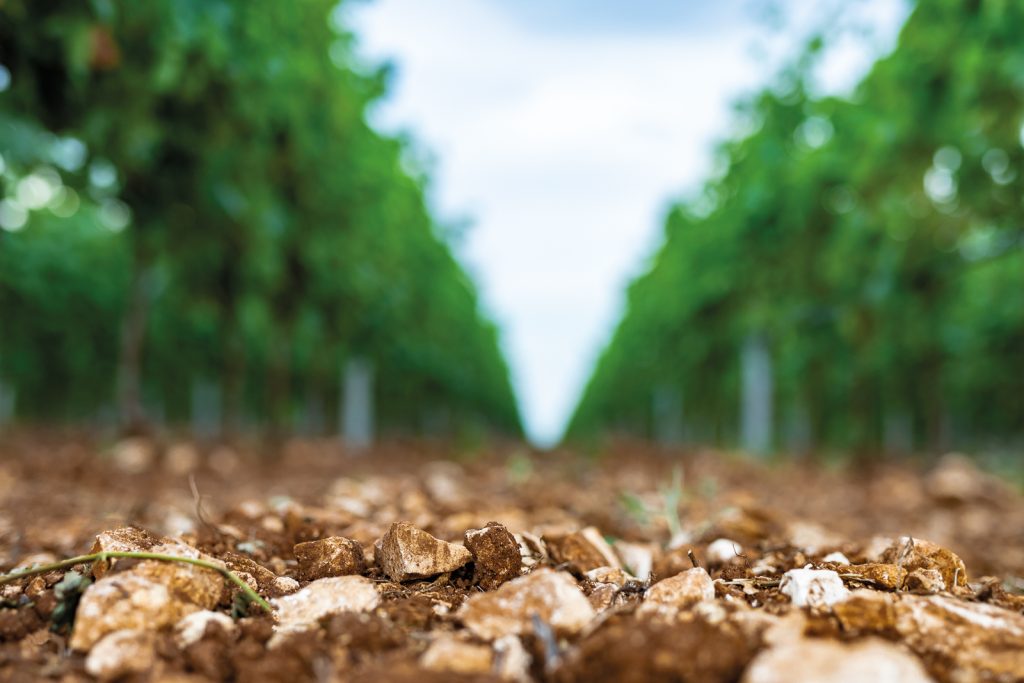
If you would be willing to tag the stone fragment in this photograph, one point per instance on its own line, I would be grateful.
(324, 597)
(836, 557)
(678, 592)
(125, 601)
(284, 585)
(496, 555)
(813, 587)
(925, 581)
(637, 558)
(582, 550)
(552, 596)
(915, 553)
(406, 552)
(192, 583)
(133, 455)
(813, 661)
(880, 575)
(122, 653)
(511, 660)
(193, 626)
(122, 539)
(867, 612)
(331, 556)
(603, 596)
(450, 654)
(722, 551)
(957, 481)
(180, 459)
(612, 575)
(241, 564)
(960, 640)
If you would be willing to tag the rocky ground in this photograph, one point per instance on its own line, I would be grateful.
(402, 565)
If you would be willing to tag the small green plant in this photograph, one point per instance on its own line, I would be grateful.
(249, 593)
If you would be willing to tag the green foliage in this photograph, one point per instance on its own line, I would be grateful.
(876, 242)
(215, 207)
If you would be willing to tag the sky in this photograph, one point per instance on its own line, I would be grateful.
(558, 132)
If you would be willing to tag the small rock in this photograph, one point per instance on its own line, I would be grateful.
(511, 660)
(912, 554)
(582, 550)
(966, 641)
(957, 481)
(180, 459)
(553, 596)
(723, 551)
(333, 595)
(242, 564)
(888, 576)
(603, 596)
(678, 592)
(496, 555)
(126, 539)
(284, 585)
(122, 653)
(332, 556)
(813, 587)
(406, 552)
(637, 558)
(125, 601)
(612, 575)
(836, 557)
(449, 654)
(189, 582)
(192, 628)
(925, 581)
(133, 455)
(813, 661)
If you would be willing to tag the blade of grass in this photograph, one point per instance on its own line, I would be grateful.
(248, 592)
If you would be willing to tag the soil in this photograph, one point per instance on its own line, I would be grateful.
(895, 534)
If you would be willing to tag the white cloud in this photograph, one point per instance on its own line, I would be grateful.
(565, 146)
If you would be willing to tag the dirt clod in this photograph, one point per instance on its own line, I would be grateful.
(496, 555)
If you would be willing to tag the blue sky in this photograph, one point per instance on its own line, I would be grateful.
(561, 130)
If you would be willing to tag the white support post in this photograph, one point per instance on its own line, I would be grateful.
(758, 390)
(667, 413)
(357, 428)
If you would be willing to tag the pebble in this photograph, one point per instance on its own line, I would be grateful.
(125, 601)
(122, 653)
(552, 596)
(969, 641)
(678, 592)
(925, 581)
(582, 550)
(332, 556)
(920, 554)
(192, 627)
(888, 576)
(816, 660)
(723, 551)
(457, 656)
(334, 595)
(836, 557)
(813, 587)
(511, 660)
(406, 552)
(637, 558)
(496, 555)
(133, 455)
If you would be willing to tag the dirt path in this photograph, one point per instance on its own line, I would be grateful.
(382, 566)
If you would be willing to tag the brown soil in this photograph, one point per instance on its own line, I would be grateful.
(59, 491)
